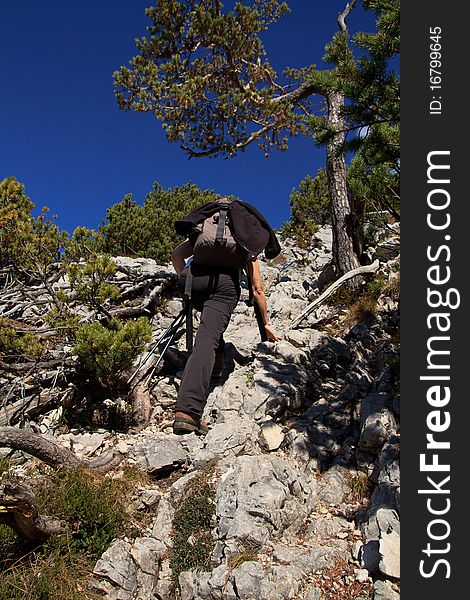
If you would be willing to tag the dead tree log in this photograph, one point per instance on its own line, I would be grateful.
(140, 378)
(29, 407)
(52, 453)
(333, 287)
(144, 307)
(36, 365)
(140, 394)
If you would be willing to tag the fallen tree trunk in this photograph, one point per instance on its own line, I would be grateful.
(143, 308)
(18, 507)
(29, 407)
(25, 408)
(333, 287)
(36, 365)
(52, 453)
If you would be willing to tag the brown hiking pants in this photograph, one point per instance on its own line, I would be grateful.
(215, 292)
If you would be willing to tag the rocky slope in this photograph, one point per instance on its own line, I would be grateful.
(302, 451)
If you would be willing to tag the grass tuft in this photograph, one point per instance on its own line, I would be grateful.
(95, 508)
(360, 487)
(363, 310)
(192, 540)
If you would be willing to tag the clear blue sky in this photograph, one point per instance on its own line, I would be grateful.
(63, 136)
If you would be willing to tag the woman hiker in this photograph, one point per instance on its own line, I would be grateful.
(215, 292)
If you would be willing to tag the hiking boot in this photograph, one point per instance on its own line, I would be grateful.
(184, 424)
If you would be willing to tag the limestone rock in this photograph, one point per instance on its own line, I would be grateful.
(288, 422)
(159, 454)
(271, 436)
(261, 497)
(389, 549)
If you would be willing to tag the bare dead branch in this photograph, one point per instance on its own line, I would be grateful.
(303, 91)
(333, 287)
(51, 452)
(342, 16)
(143, 308)
(46, 449)
(25, 366)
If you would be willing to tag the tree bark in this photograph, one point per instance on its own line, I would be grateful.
(141, 406)
(51, 452)
(344, 257)
(18, 507)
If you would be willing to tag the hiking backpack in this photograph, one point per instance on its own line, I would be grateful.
(215, 244)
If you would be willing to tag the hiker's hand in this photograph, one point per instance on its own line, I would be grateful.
(272, 336)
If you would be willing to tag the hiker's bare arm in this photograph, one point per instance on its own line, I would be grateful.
(260, 298)
(179, 254)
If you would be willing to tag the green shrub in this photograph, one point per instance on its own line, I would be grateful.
(148, 230)
(83, 244)
(106, 352)
(374, 288)
(310, 210)
(91, 280)
(93, 506)
(13, 342)
(29, 245)
(62, 318)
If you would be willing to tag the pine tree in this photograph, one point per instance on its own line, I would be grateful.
(148, 230)
(204, 73)
(310, 209)
(15, 220)
(29, 246)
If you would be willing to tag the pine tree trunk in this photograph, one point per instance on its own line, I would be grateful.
(343, 252)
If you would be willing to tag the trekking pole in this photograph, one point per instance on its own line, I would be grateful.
(189, 329)
(173, 328)
(170, 339)
(189, 308)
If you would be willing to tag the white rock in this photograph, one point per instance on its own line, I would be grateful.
(122, 447)
(390, 552)
(271, 436)
(361, 575)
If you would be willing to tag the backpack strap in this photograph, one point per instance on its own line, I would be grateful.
(219, 236)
